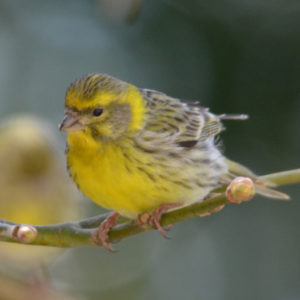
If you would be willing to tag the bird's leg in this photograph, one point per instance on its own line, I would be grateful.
(104, 228)
(154, 219)
(143, 219)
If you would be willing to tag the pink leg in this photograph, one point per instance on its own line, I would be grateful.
(143, 219)
(154, 219)
(104, 229)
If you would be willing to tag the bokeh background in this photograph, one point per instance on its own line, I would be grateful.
(234, 56)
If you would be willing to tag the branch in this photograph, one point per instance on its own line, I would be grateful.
(73, 234)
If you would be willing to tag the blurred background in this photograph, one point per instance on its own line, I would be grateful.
(235, 57)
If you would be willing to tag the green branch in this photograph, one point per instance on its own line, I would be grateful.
(72, 234)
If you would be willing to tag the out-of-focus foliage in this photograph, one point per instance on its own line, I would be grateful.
(236, 57)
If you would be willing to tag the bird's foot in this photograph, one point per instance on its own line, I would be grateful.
(104, 228)
(154, 219)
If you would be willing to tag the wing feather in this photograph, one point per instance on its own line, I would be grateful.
(185, 121)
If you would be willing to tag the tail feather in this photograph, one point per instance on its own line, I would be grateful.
(240, 170)
(262, 187)
(270, 193)
(233, 117)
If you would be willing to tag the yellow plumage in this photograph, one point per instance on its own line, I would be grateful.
(107, 177)
(143, 150)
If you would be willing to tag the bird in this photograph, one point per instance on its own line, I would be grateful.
(138, 151)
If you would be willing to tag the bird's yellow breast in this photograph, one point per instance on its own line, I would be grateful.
(117, 177)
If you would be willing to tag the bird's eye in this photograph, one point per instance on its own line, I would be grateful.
(97, 112)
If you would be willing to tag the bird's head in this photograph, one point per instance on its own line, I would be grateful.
(103, 107)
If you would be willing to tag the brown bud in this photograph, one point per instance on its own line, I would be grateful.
(241, 189)
(25, 234)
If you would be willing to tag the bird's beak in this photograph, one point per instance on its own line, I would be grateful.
(71, 123)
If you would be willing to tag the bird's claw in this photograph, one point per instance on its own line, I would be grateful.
(154, 219)
(104, 228)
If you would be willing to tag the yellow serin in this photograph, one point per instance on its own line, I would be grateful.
(144, 148)
(132, 150)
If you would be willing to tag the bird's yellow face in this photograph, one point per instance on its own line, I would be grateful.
(103, 107)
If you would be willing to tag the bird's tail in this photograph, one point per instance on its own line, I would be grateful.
(240, 117)
(262, 187)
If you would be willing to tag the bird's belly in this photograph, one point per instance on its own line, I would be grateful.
(130, 184)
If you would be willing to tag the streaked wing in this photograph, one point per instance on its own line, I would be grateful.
(187, 122)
